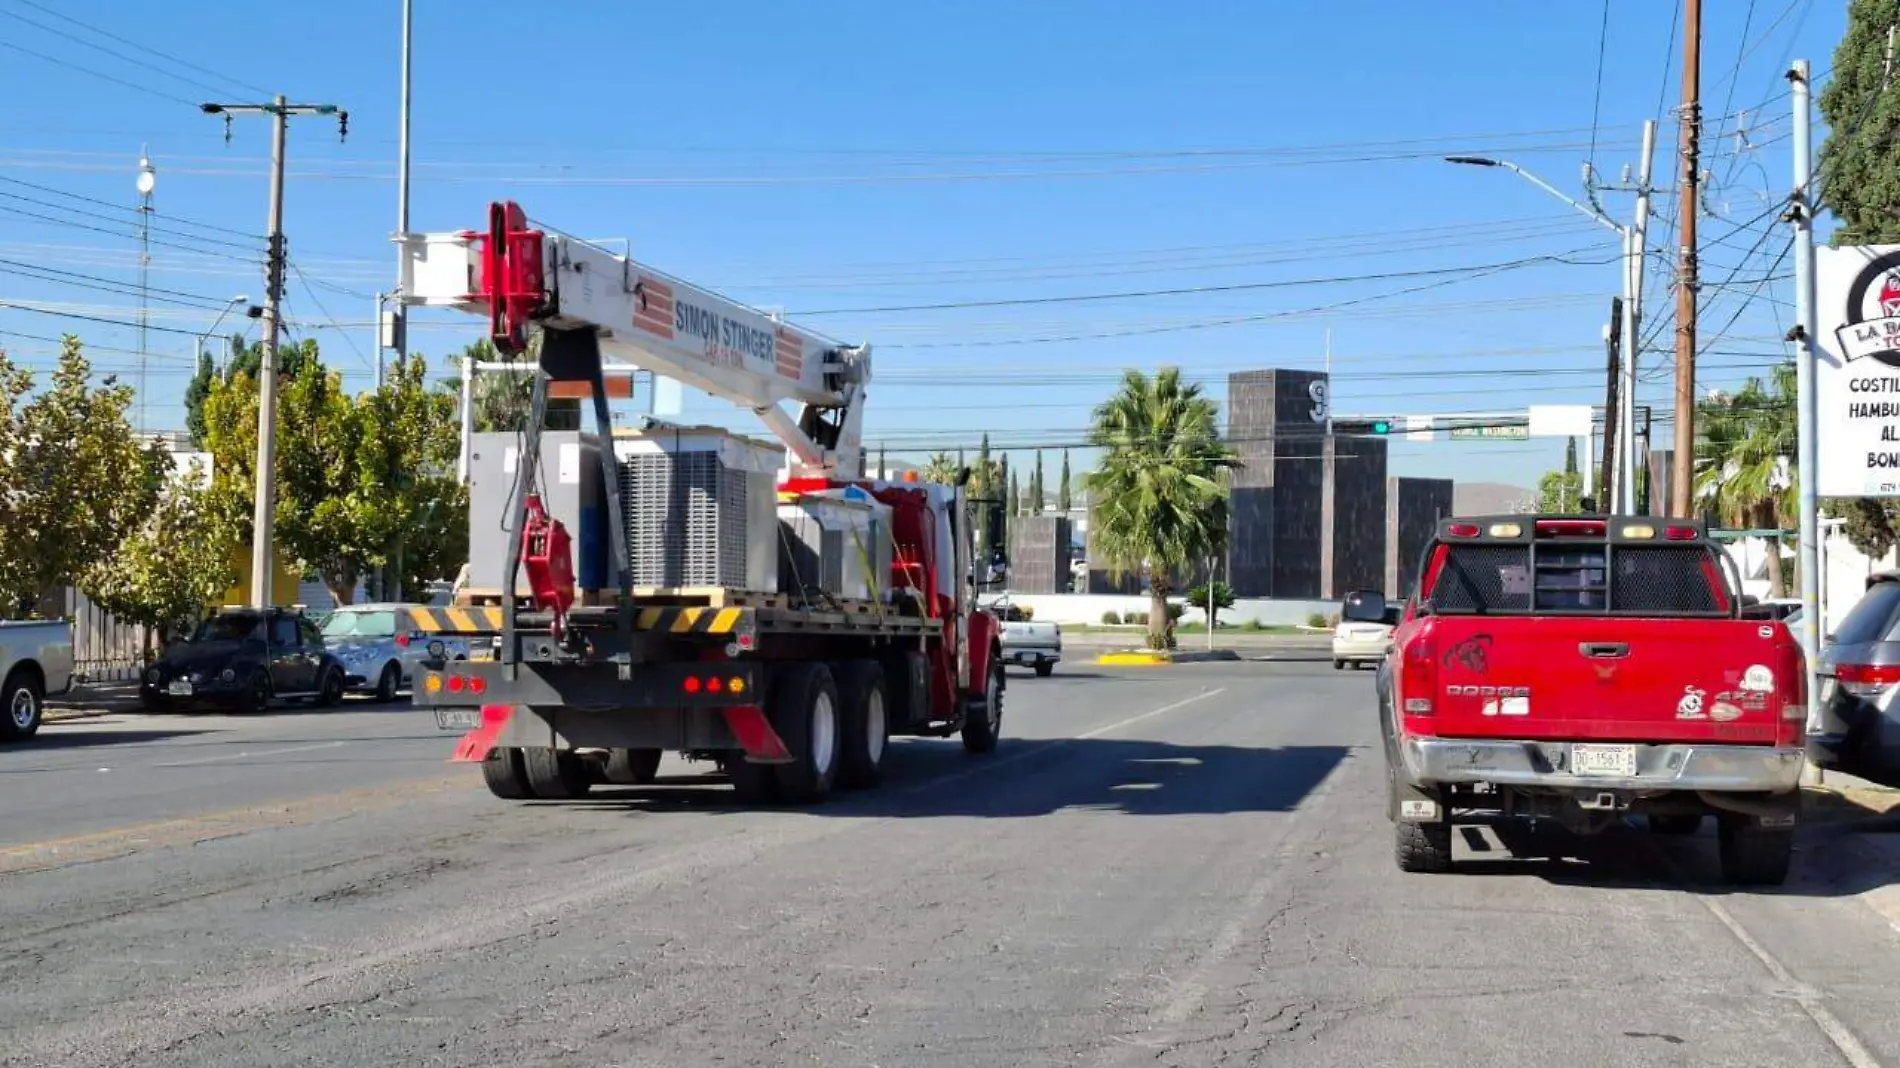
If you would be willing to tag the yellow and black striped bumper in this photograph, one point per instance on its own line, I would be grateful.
(686, 621)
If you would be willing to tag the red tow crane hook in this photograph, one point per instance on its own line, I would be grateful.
(547, 554)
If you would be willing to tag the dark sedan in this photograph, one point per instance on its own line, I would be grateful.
(243, 659)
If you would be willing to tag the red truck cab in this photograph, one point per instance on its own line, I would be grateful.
(1582, 669)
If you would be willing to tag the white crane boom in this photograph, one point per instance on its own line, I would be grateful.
(518, 275)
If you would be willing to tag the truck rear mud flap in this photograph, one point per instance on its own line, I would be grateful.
(490, 725)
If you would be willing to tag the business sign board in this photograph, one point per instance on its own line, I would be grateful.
(1857, 371)
(1561, 420)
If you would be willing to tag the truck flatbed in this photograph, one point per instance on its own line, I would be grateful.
(693, 612)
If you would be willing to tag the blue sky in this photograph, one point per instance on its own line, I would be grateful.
(834, 158)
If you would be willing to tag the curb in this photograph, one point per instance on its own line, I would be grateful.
(1158, 659)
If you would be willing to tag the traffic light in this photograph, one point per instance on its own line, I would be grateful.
(1362, 427)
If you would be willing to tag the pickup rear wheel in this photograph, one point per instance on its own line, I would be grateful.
(25, 700)
(555, 774)
(504, 775)
(1045, 668)
(1675, 823)
(1423, 847)
(1753, 855)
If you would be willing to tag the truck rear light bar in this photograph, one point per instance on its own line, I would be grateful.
(713, 684)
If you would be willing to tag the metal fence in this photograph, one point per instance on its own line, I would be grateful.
(104, 649)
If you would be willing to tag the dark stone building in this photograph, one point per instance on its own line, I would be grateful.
(1353, 504)
(1276, 423)
(1039, 554)
(1413, 507)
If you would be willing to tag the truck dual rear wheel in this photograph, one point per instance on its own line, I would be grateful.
(555, 774)
(804, 711)
(633, 767)
(505, 776)
(866, 723)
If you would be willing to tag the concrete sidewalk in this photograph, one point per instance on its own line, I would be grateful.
(93, 699)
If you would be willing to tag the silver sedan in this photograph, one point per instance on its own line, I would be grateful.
(380, 647)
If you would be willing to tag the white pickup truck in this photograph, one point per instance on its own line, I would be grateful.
(36, 658)
(1027, 643)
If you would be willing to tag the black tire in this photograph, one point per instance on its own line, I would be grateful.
(865, 727)
(388, 683)
(1339, 665)
(983, 728)
(1423, 847)
(22, 705)
(1753, 855)
(633, 767)
(257, 700)
(555, 774)
(505, 776)
(804, 711)
(1045, 668)
(330, 688)
(1675, 824)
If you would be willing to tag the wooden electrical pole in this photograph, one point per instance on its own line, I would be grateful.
(1611, 406)
(1688, 204)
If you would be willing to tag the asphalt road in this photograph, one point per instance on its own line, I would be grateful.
(1187, 866)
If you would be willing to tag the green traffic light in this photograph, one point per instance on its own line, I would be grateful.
(1381, 426)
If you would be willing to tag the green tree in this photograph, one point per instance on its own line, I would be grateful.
(77, 479)
(1560, 493)
(174, 564)
(1745, 463)
(883, 463)
(1156, 500)
(1035, 486)
(983, 486)
(1064, 502)
(1015, 505)
(504, 399)
(941, 469)
(247, 358)
(1570, 457)
(405, 489)
(1219, 592)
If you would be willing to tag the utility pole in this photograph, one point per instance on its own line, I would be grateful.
(264, 513)
(147, 181)
(400, 311)
(1801, 214)
(1689, 205)
(1612, 407)
(1633, 318)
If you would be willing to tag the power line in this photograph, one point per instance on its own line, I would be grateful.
(92, 281)
(93, 319)
(168, 57)
(127, 208)
(348, 338)
(56, 221)
(1383, 276)
(1596, 93)
(161, 94)
(115, 54)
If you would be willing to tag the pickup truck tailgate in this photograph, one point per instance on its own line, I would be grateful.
(1579, 677)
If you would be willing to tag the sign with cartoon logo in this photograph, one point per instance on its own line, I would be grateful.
(1857, 371)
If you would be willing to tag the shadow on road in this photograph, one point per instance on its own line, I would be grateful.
(1629, 857)
(49, 738)
(1036, 778)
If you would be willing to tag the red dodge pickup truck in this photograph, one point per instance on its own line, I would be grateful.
(1581, 669)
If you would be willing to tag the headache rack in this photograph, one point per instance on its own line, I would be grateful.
(1577, 565)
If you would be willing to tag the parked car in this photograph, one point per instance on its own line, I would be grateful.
(380, 647)
(1859, 674)
(243, 659)
(36, 659)
(1027, 643)
(1359, 641)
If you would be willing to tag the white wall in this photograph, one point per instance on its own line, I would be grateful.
(1076, 608)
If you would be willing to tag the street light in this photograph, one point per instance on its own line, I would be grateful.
(1623, 497)
(215, 323)
(147, 181)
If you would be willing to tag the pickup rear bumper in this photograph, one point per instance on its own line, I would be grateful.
(1714, 768)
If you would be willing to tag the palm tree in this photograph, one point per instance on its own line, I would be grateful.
(1156, 502)
(941, 469)
(1744, 470)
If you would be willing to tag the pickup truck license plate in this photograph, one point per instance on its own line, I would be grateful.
(179, 688)
(458, 719)
(482, 655)
(1616, 760)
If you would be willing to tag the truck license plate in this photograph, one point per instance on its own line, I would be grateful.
(1618, 760)
(179, 688)
(458, 719)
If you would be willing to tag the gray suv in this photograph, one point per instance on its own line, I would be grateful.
(1859, 677)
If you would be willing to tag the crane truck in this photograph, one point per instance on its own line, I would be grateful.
(790, 695)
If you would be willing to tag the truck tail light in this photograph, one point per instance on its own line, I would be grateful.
(1867, 680)
(1418, 683)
